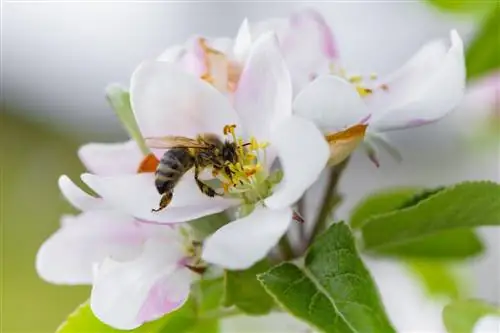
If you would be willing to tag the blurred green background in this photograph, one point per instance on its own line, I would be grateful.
(33, 158)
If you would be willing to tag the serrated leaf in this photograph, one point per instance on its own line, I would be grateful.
(334, 292)
(119, 99)
(454, 244)
(461, 316)
(451, 244)
(380, 202)
(243, 290)
(466, 205)
(483, 54)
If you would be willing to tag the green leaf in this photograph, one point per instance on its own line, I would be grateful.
(463, 6)
(461, 316)
(466, 205)
(452, 244)
(438, 278)
(120, 102)
(243, 290)
(483, 54)
(381, 202)
(334, 292)
(456, 244)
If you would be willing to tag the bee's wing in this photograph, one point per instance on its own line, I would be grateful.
(166, 142)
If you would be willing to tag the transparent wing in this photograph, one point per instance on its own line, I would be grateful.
(166, 142)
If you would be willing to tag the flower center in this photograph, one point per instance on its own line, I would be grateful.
(192, 250)
(220, 71)
(248, 178)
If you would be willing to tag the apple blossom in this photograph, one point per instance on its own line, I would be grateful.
(305, 41)
(168, 101)
(422, 91)
(139, 271)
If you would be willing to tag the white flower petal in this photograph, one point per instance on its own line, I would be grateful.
(425, 90)
(303, 153)
(332, 103)
(488, 324)
(243, 41)
(137, 195)
(111, 158)
(264, 92)
(125, 294)
(241, 243)
(172, 54)
(77, 197)
(67, 257)
(168, 101)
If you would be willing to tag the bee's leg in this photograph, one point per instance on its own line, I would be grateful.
(164, 201)
(204, 188)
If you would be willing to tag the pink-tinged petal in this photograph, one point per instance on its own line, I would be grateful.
(67, 257)
(311, 27)
(77, 197)
(425, 90)
(332, 103)
(308, 47)
(111, 158)
(125, 294)
(137, 196)
(166, 295)
(264, 93)
(168, 101)
(241, 243)
(488, 324)
(303, 153)
(243, 41)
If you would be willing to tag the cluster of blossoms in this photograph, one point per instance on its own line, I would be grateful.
(280, 93)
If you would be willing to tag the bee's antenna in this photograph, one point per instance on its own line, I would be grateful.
(246, 144)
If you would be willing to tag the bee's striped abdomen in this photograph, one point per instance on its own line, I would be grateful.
(173, 165)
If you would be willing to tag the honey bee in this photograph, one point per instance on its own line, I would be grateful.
(183, 153)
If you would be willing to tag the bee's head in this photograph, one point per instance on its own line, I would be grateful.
(229, 152)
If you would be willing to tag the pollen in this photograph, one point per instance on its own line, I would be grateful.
(148, 164)
(250, 159)
(362, 91)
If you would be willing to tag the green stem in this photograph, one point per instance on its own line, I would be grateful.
(330, 199)
(285, 248)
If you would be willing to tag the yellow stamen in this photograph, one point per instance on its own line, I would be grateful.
(354, 131)
(356, 79)
(362, 91)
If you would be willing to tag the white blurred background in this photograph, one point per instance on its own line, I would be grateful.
(58, 57)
